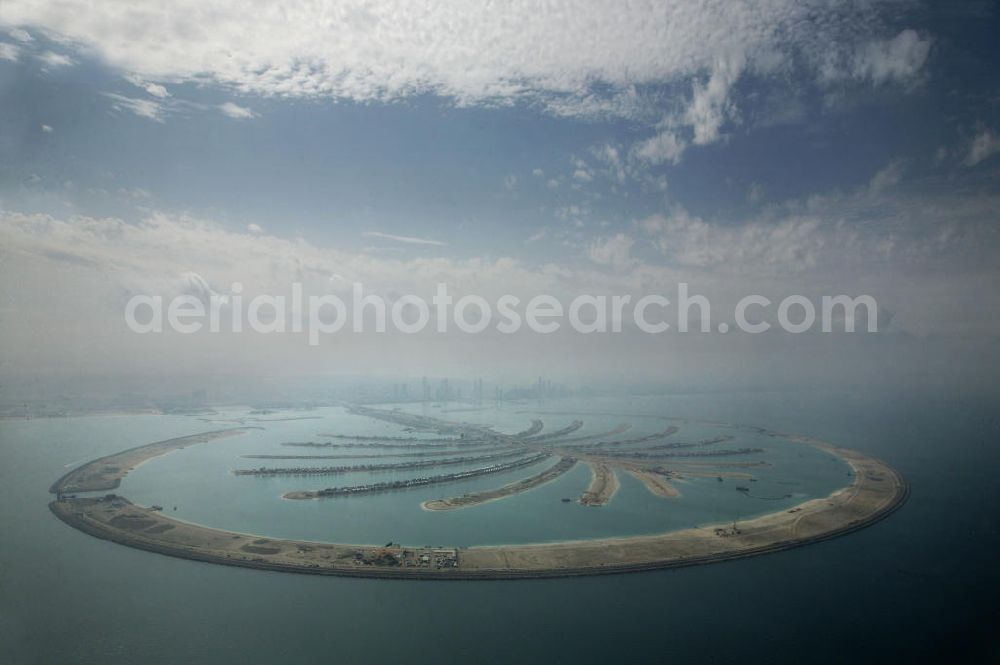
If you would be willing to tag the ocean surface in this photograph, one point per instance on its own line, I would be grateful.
(922, 583)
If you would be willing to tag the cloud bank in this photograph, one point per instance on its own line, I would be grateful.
(560, 54)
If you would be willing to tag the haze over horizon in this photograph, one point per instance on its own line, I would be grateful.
(771, 148)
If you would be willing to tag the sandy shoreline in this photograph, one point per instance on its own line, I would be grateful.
(603, 484)
(486, 496)
(656, 483)
(373, 488)
(876, 491)
(106, 473)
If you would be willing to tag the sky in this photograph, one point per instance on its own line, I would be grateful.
(771, 147)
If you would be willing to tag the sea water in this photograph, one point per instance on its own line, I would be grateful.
(921, 583)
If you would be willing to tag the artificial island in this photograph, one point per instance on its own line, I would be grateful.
(85, 499)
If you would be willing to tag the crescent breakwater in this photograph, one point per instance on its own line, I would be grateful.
(106, 473)
(876, 490)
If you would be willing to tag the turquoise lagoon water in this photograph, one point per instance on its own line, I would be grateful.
(197, 483)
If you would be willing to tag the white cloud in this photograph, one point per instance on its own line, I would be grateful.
(538, 173)
(404, 239)
(835, 234)
(154, 89)
(200, 286)
(596, 56)
(983, 146)
(53, 59)
(145, 108)
(887, 177)
(710, 102)
(47, 129)
(900, 59)
(83, 270)
(135, 193)
(572, 212)
(611, 157)
(666, 146)
(598, 59)
(150, 256)
(792, 244)
(157, 90)
(164, 104)
(653, 183)
(510, 181)
(255, 229)
(535, 237)
(236, 112)
(700, 120)
(20, 35)
(614, 251)
(9, 52)
(592, 103)
(583, 175)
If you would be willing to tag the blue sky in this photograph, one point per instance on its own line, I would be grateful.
(778, 144)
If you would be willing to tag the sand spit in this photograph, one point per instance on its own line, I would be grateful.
(106, 473)
(476, 498)
(396, 444)
(536, 427)
(619, 429)
(393, 485)
(557, 434)
(603, 485)
(390, 455)
(656, 483)
(355, 468)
